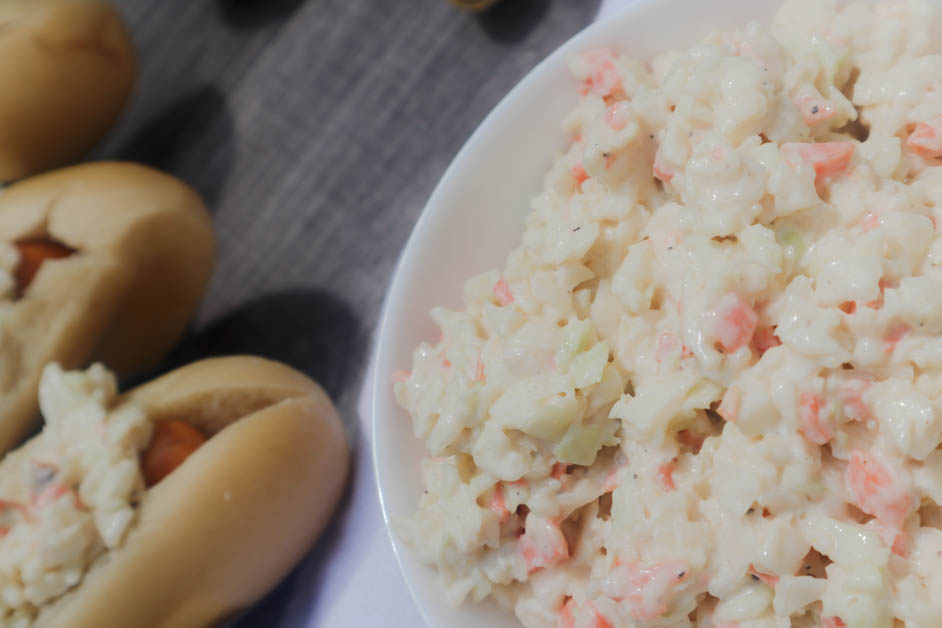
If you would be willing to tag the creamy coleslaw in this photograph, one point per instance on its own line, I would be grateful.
(71, 494)
(706, 389)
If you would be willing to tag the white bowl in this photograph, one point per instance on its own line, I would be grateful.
(474, 218)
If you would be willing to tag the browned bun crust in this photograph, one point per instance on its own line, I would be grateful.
(144, 253)
(233, 519)
(66, 70)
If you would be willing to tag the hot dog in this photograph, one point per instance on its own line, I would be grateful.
(221, 527)
(66, 70)
(172, 442)
(103, 260)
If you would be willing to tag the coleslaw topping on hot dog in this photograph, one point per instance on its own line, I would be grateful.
(72, 492)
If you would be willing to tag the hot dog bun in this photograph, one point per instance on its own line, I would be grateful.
(234, 518)
(144, 254)
(66, 70)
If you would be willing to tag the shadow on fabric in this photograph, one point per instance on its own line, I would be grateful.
(310, 330)
(170, 139)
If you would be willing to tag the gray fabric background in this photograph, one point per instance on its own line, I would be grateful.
(316, 130)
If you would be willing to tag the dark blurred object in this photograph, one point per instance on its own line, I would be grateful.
(474, 5)
(255, 13)
(511, 22)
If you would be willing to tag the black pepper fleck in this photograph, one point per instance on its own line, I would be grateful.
(754, 577)
(634, 476)
(814, 109)
(577, 229)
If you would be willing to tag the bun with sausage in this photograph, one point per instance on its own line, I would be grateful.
(176, 504)
(103, 260)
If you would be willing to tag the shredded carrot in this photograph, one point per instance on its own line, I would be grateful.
(479, 369)
(52, 493)
(567, 618)
(736, 322)
(603, 79)
(876, 490)
(828, 159)
(894, 538)
(543, 548)
(809, 419)
(870, 221)
(579, 174)
(893, 335)
(925, 140)
(767, 578)
(744, 49)
(502, 293)
(665, 475)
